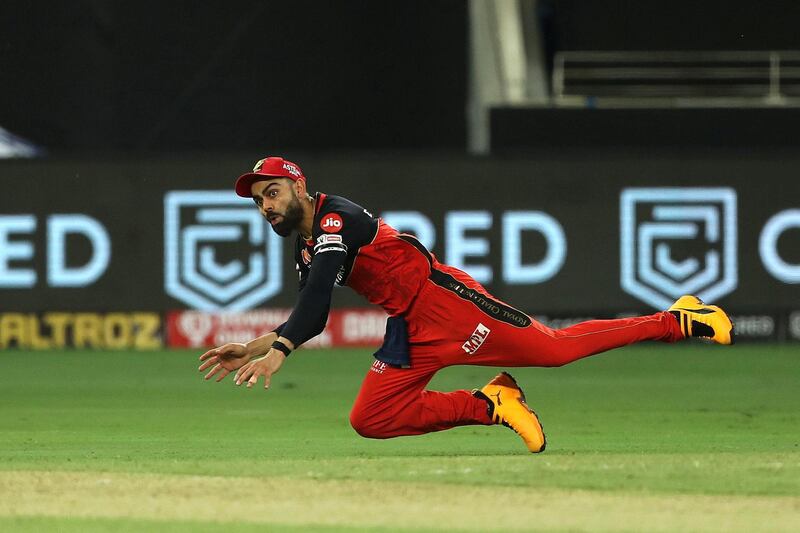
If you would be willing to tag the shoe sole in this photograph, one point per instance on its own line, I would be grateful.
(538, 420)
(731, 330)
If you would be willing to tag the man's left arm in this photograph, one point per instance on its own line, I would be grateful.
(308, 318)
(310, 315)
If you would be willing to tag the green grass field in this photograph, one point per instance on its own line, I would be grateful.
(657, 438)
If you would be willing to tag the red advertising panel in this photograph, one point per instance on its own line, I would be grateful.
(355, 327)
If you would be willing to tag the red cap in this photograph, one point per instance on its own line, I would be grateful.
(269, 167)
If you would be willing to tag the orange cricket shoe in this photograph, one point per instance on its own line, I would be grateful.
(700, 320)
(507, 406)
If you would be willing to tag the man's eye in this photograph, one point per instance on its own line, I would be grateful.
(273, 194)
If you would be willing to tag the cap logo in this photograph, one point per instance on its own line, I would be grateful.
(258, 166)
(331, 223)
(291, 169)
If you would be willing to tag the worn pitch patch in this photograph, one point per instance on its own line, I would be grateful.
(379, 503)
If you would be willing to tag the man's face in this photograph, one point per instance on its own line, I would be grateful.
(278, 202)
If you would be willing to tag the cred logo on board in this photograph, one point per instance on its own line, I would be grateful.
(217, 251)
(677, 241)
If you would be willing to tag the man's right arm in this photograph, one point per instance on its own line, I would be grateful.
(224, 359)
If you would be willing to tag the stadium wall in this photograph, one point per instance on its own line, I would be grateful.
(114, 242)
(673, 25)
(166, 76)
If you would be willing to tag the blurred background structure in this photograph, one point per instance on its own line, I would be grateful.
(578, 158)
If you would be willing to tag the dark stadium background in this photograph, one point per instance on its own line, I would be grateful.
(244, 75)
(129, 100)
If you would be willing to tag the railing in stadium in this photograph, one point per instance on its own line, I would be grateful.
(681, 79)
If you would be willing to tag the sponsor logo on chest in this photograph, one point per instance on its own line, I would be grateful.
(331, 223)
(476, 340)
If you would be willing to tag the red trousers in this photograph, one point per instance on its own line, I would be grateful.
(447, 328)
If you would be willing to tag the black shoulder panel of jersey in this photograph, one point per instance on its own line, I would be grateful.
(340, 229)
(344, 227)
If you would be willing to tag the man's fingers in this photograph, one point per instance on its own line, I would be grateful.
(244, 374)
(213, 371)
(210, 353)
(211, 361)
(222, 375)
(241, 371)
(267, 380)
(253, 380)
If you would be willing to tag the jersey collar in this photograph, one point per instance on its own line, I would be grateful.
(319, 199)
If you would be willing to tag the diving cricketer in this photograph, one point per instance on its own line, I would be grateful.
(438, 316)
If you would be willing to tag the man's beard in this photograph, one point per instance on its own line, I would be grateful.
(291, 219)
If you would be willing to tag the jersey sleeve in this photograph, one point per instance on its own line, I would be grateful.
(302, 276)
(339, 229)
(310, 314)
(342, 226)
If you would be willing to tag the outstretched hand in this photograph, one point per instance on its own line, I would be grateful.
(263, 366)
(224, 359)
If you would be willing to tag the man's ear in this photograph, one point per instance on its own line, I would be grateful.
(300, 187)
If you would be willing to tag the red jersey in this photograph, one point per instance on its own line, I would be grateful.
(349, 246)
(385, 267)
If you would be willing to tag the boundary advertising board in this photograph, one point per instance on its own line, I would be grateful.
(556, 237)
